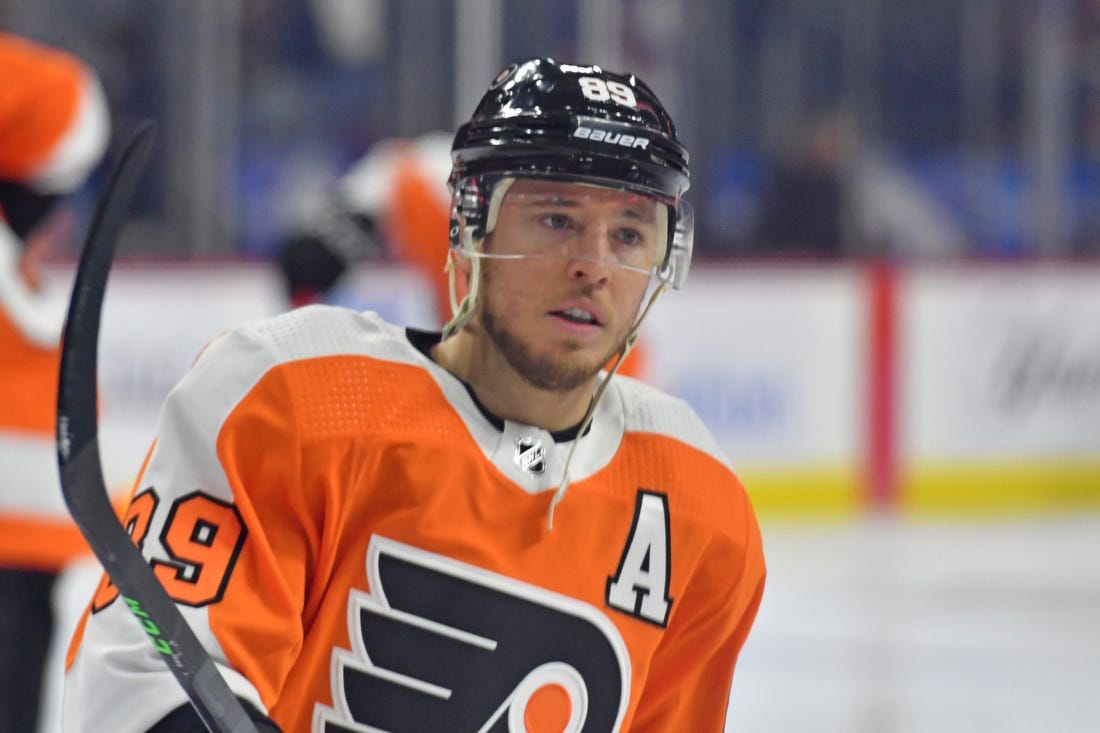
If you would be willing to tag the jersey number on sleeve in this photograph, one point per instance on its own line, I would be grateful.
(202, 538)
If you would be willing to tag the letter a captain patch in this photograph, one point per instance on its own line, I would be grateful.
(640, 585)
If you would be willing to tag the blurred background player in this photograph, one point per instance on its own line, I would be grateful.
(393, 202)
(53, 130)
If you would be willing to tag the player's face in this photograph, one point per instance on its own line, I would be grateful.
(566, 272)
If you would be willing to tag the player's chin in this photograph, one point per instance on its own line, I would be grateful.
(563, 376)
(582, 354)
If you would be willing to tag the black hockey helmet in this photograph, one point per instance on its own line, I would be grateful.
(580, 124)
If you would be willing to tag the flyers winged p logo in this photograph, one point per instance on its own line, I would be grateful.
(442, 645)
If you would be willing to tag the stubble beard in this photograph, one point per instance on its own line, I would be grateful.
(545, 371)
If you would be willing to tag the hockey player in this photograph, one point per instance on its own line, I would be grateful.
(375, 528)
(393, 201)
(53, 130)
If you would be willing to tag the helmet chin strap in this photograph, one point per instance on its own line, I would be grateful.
(465, 310)
(631, 339)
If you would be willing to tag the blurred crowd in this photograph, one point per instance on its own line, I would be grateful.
(963, 129)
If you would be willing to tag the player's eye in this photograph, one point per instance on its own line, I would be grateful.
(557, 221)
(630, 237)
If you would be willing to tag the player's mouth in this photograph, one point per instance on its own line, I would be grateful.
(579, 315)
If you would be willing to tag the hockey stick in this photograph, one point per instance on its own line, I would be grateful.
(82, 482)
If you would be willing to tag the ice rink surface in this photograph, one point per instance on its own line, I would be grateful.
(888, 625)
(885, 625)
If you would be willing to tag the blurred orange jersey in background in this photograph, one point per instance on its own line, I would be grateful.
(53, 130)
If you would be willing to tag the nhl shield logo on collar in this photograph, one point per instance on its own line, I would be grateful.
(530, 454)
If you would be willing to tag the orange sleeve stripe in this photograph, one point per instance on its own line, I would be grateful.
(39, 544)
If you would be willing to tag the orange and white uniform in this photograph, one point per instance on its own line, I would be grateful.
(53, 130)
(361, 547)
(36, 532)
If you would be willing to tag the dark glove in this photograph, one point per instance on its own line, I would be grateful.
(314, 257)
(23, 207)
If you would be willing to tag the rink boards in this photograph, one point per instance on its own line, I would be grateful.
(959, 389)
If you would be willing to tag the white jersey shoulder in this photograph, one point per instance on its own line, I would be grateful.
(650, 410)
(232, 364)
(250, 350)
(324, 330)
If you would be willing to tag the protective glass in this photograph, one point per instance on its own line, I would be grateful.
(623, 230)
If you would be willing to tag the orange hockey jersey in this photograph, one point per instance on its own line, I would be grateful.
(53, 128)
(361, 547)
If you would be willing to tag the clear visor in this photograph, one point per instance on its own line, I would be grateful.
(626, 231)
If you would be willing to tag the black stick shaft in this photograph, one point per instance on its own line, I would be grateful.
(82, 482)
